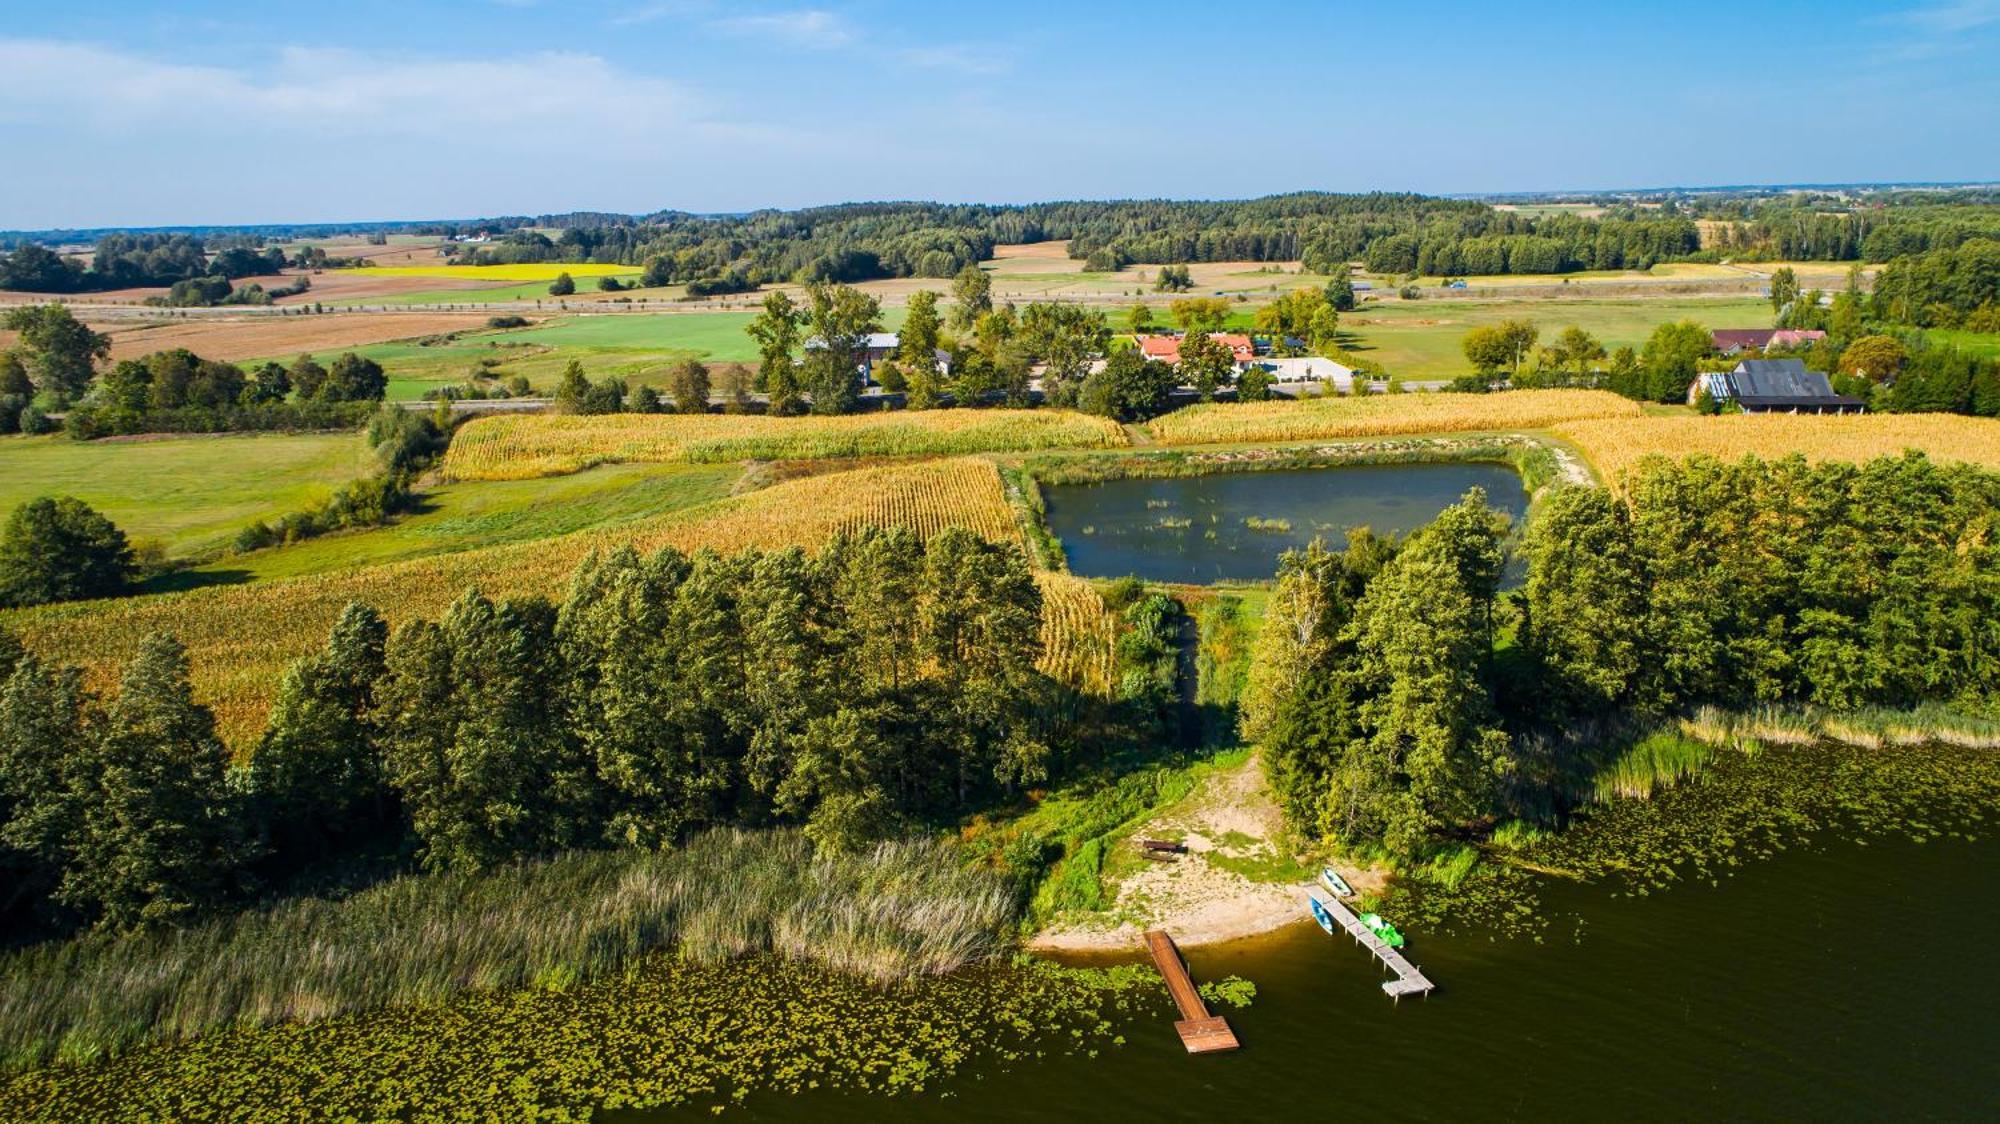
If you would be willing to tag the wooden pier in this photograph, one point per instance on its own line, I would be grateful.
(1201, 1032)
(1409, 980)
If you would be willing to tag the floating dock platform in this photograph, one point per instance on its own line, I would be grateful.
(1409, 979)
(1201, 1032)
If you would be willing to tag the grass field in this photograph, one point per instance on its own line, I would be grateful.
(1986, 345)
(1384, 415)
(521, 447)
(1615, 445)
(456, 517)
(190, 494)
(544, 272)
(637, 347)
(240, 638)
(1422, 339)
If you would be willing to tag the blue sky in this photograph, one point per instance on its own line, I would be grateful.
(118, 112)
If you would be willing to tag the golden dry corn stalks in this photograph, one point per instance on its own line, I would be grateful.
(1614, 446)
(1078, 633)
(1382, 415)
(240, 638)
(519, 448)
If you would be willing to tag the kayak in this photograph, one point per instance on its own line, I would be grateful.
(1382, 929)
(1320, 915)
(1335, 882)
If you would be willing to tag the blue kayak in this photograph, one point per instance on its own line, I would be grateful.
(1320, 915)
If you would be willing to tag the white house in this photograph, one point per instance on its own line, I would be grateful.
(1311, 368)
(882, 345)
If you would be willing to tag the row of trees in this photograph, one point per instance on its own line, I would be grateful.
(886, 681)
(124, 261)
(54, 367)
(1390, 709)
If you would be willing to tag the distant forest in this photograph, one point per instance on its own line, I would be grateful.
(1389, 233)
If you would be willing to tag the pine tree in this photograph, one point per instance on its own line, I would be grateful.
(155, 834)
(317, 772)
(45, 716)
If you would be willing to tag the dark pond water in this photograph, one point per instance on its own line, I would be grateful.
(1839, 982)
(1198, 529)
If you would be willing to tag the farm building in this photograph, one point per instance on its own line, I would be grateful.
(1167, 349)
(1730, 341)
(1312, 368)
(882, 345)
(1775, 386)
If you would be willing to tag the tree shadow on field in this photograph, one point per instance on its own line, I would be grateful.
(180, 581)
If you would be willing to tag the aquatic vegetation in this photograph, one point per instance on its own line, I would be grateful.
(662, 1034)
(1174, 523)
(1655, 761)
(1281, 526)
(887, 913)
(1229, 991)
(1738, 808)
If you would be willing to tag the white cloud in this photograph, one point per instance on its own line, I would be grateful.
(330, 91)
(1956, 16)
(811, 28)
(962, 58)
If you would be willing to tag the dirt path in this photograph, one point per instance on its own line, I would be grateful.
(1238, 878)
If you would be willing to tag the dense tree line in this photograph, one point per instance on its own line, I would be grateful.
(1390, 708)
(125, 261)
(177, 391)
(1952, 287)
(885, 682)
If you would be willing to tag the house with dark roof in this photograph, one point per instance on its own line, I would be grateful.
(1775, 386)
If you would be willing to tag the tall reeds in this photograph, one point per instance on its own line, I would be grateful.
(890, 912)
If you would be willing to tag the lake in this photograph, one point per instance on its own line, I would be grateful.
(1838, 981)
(1200, 529)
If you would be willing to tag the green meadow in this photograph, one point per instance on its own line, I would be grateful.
(455, 517)
(189, 494)
(1421, 339)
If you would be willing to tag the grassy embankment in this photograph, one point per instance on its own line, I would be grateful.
(189, 494)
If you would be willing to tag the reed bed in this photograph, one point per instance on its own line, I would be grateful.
(898, 910)
(1653, 762)
(241, 638)
(1384, 415)
(522, 447)
(1872, 728)
(1615, 445)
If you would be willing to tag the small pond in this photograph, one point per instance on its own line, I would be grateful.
(1233, 526)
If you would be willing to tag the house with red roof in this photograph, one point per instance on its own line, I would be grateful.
(1167, 349)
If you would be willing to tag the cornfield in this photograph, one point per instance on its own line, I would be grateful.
(1616, 445)
(240, 639)
(518, 448)
(1385, 414)
(1078, 633)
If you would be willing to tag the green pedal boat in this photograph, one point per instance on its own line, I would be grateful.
(1382, 929)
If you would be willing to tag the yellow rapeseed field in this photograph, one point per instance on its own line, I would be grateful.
(1615, 445)
(1382, 415)
(240, 639)
(518, 448)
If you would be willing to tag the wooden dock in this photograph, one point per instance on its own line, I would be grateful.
(1409, 980)
(1201, 1032)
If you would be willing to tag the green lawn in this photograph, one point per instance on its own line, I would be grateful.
(1986, 345)
(459, 517)
(191, 494)
(521, 291)
(1421, 339)
(638, 347)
